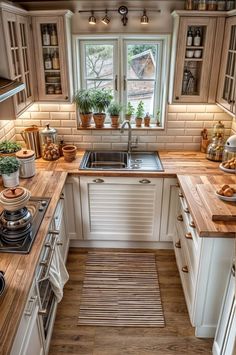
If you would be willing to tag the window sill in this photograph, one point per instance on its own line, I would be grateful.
(107, 126)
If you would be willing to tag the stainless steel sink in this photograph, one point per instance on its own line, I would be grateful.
(113, 160)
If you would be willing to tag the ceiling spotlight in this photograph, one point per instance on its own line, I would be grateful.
(92, 19)
(144, 19)
(105, 19)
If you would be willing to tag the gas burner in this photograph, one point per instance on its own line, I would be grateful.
(20, 239)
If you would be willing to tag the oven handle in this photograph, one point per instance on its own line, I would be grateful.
(48, 262)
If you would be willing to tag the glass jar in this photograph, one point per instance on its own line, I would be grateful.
(202, 5)
(218, 130)
(50, 148)
(212, 5)
(188, 4)
(229, 155)
(221, 5)
(215, 149)
(230, 5)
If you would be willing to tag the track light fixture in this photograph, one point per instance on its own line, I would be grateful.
(105, 19)
(144, 19)
(92, 19)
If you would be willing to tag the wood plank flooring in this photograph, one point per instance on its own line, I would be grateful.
(177, 338)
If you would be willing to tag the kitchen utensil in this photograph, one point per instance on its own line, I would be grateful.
(229, 155)
(31, 137)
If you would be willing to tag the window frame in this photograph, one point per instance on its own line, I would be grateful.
(164, 64)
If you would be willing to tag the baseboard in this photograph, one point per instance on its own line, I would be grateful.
(120, 244)
(205, 331)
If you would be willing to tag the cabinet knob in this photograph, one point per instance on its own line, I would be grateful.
(59, 243)
(192, 224)
(233, 270)
(181, 195)
(42, 312)
(177, 185)
(186, 210)
(188, 236)
(180, 218)
(144, 181)
(98, 181)
(176, 97)
(178, 244)
(185, 269)
(66, 97)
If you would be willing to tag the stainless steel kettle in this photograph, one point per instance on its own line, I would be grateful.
(31, 137)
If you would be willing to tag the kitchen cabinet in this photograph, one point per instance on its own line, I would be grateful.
(16, 58)
(227, 79)
(52, 38)
(29, 337)
(73, 213)
(225, 338)
(202, 262)
(121, 209)
(195, 62)
(169, 208)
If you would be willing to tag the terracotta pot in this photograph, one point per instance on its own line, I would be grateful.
(69, 152)
(99, 119)
(147, 121)
(128, 117)
(138, 121)
(86, 119)
(115, 121)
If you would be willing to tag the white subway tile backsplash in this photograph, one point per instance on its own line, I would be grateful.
(186, 116)
(84, 145)
(223, 116)
(196, 108)
(213, 108)
(40, 115)
(92, 138)
(105, 146)
(176, 124)
(49, 107)
(192, 146)
(67, 107)
(111, 139)
(59, 115)
(183, 139)
(174, 146)
(194, 124)
(193, 132)
(33, 108)
(64, 131)
(165, 139)
(147, 139)
(204, 116)
(177, 108)
(172, 116)
(175, 132)
(119, 146)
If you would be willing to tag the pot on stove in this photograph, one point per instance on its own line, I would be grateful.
(15, 220)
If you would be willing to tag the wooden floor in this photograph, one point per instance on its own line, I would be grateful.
(176, 338)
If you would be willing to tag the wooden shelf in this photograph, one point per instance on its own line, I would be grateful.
(193, 59)
(194, 47)
(107, 126)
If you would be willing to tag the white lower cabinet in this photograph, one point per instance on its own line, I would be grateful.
(29, 337)
(121, 209)
(204, 265)
(73, 208)
(225, 338)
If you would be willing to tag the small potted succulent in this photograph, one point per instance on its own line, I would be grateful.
(139, 114)
(84, 103)
(9, 169)
(101, 100)
(114, 110)
(129, 111)
(8, 148)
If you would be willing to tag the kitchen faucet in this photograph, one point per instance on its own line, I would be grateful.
(126, 122)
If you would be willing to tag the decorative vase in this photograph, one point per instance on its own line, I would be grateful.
(86, 119)
(138, 121)
(99, 119)
(115, 121)
(147, 121)
(69, 152)
(11, 180)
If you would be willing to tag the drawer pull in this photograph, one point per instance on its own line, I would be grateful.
(188, 236)
(185, 269)
(192, 224)
(98, 181)
(145, 181)
(177, 185)
(178, 244)
(55, 232)
(59, 243)
(186, 210)
(31, 302)
(181, 195)
(42, 312)
(233, 270)
(180, 218)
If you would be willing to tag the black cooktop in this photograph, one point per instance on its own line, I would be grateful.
(38, 207)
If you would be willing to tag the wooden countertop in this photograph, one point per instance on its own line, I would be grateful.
(19, 269)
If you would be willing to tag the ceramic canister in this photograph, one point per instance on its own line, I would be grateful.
(27, 159)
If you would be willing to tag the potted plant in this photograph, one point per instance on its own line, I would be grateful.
(129, 111)
(84, 103)
(8, 148)
(9, 169)
(114, 110)
(147, 120)
(101, 100)
(139, 114)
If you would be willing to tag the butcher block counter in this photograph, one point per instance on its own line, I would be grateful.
(49, 181)
(19, 269)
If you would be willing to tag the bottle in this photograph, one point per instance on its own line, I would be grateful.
(221, 5)
(188, 4)
(47, 62)
(189, 38)
(197, 38)
(55, 61)
(46, 36)
(230, 5)
(212, 5)
(53, 37)
(202, 5)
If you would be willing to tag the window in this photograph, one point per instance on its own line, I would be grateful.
(134, 69)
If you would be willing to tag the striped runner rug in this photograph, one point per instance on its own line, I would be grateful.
(121, 289)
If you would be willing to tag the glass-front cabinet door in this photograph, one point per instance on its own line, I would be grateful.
(51, 58)
(227, 82)
(194, 59)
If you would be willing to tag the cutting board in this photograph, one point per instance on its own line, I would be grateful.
(218, 210)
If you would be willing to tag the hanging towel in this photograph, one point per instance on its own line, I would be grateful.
(58, 274)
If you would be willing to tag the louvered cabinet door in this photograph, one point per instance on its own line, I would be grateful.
(127, 209)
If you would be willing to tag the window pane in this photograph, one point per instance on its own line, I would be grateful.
(141, 90)
(99, 61)
(99, 84)
(141, 61)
